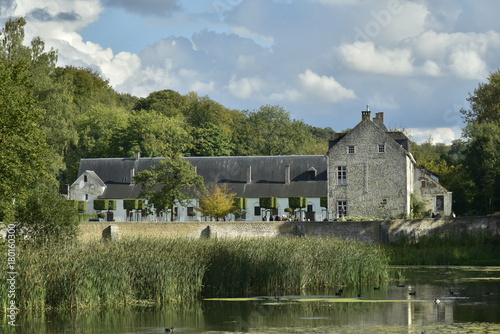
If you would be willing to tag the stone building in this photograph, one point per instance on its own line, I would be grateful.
(371, 173)
(367, 172)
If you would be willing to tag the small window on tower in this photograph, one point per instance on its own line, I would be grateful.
(351, 150)
(381, 148)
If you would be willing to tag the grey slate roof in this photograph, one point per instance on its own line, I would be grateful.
(267, 174)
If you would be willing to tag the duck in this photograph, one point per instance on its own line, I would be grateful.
(437, 301)
(376, 288)
(414, 293)
(169, 330)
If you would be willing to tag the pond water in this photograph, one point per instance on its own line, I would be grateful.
(469, 302)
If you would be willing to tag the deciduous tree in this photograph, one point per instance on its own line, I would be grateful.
(173, 181)
(217, 202)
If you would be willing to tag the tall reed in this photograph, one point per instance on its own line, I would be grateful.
(473, 249)
(159, 271)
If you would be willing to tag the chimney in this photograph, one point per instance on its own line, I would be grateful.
(366, 114)
(249, 174)
(137, 155)
(287, 174)
(132, 174)
(380, 117)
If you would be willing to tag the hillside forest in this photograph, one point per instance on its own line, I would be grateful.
(51, 117)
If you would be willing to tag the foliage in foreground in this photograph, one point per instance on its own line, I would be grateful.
(159, 271)
(476, 250)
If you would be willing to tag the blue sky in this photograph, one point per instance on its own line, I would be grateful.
(321, 60)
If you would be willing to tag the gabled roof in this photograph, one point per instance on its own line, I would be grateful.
(267, 174)
(376, 123)
(95, 177)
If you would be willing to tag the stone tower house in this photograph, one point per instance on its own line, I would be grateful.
(372, 173)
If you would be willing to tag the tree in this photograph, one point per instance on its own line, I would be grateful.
(483, 164)
(167, 102)
(46, 216)
(482, 153)
(270, 131)
(484, 103)
(24, 154)
(154, 135)
(209, 140)
(217, 201)
(173, 181)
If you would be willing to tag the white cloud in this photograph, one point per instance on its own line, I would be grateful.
(459, 54)
(365, 57)
(468, 65)
(266, 41)
(120, 67)
(409, 19)
(324, 88)
(431, 68)
(314, 87)
(244, 88)
(433, 135)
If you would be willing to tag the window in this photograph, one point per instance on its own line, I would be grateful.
(342, 175)
(85, 179)
(424, 183)
(381, 148)
(350, 150)
(311, 174)
(86, 197)
(439, 203)
(341, 209)
(190, 211)
(256, 211)
(309, 208)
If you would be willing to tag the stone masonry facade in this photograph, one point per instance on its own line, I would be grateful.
(371, 173)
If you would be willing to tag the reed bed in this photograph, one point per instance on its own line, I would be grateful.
(159, 271)
(474, 250)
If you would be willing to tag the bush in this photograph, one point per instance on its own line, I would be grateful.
(47, 216)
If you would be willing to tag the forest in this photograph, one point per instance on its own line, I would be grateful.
(51, 117)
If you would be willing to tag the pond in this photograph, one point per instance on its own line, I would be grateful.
(469, 302)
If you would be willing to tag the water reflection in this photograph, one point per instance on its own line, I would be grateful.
(470, 301)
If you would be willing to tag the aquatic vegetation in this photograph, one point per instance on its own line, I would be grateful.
(159, 271)
(477, 250)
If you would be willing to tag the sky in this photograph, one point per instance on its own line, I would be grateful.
(323, 61)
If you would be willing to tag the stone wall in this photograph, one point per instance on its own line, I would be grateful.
(372, 231)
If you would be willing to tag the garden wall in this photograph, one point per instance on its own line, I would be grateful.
(371, 231)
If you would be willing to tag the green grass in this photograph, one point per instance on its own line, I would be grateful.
(473, 250)
(160, 271)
